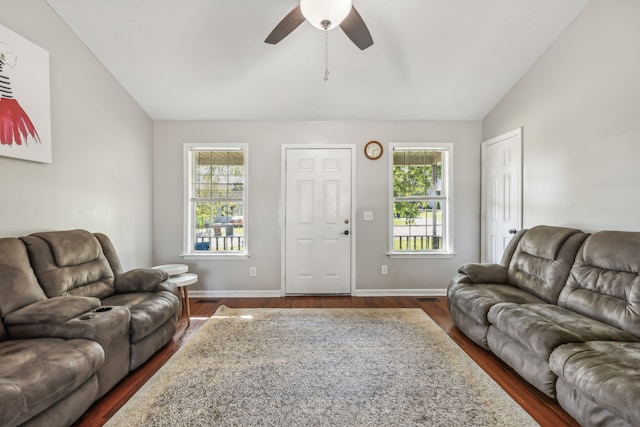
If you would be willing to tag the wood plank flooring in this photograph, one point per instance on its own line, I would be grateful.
(544, 410)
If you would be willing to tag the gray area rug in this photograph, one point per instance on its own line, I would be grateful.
(320, 367)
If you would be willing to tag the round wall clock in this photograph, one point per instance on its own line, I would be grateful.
(373, 150)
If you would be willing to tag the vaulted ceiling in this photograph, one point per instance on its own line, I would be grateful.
(207, 60)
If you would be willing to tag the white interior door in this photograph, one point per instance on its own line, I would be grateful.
(318, 221)
(501, 193)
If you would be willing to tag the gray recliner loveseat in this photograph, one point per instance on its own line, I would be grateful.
(73, 324)
(563, 310)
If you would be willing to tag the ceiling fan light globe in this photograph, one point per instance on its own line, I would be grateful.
(319, 12)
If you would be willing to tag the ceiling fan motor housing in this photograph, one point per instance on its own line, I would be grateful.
(325, 14)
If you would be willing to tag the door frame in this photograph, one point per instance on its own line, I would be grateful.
(283, 200)
(483, 187)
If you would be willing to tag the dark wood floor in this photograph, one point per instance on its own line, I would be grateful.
(544, 410)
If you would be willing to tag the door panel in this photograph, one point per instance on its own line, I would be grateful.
(501, 193)
(317, 213)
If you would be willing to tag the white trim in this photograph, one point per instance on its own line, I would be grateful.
(283, 192)
(421, 254)
(215, 257)
(356, 293)
(187, 244)
(234, 294)
(400, 292)
(447, 149)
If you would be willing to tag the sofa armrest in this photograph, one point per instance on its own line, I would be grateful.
(167, 286)
(484, 273)
(55, 310)
(140, 280)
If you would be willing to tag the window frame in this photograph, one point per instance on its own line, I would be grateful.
(188, 252)
(447, 250)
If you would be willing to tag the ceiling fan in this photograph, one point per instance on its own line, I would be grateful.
(325, 15)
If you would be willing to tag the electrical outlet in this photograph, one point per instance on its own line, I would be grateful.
(368, 215)
(383, 269)
(253, 272)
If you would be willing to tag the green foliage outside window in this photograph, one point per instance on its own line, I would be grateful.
(219, 191)
(415, 174)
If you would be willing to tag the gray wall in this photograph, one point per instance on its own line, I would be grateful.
(579, 106)
(265, 140)
(100, 178)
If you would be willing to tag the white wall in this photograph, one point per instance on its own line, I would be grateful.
(579, 106)
(100, 178)
(265, 140)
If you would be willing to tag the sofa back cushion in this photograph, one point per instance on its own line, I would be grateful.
(511, 247)
(604, 282)
(110, 252)
(18, 284)
(70, 263)
(543, 259)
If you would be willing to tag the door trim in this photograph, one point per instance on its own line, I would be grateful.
(283, 199)
(483, 189)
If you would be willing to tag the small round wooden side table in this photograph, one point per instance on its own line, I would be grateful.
(183, 281)
(178, 276)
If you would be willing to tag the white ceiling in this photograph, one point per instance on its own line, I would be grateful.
(206, 59)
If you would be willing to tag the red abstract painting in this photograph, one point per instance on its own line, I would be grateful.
(25, 120)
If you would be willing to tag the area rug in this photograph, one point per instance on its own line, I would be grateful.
(320, 367)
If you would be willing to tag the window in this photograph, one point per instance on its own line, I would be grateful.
(216, 199)
(421, 198)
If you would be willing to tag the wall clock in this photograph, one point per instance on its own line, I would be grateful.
(373, 150)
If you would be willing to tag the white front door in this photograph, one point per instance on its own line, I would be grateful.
(318, 221)
(501, 193)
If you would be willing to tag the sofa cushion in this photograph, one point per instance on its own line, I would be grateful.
(526, 363)
(524, 336)
(511, 247)
(109, 252)
(584, 410)
(90, 277)
(140, 280)
(72, 247)
(543, 327)
(475, 300)
(484, 273)
(543, 259)
(469, 304)
(18, 284)
(56, 310)
(604, 282)
(148, 310)
(607, 373)
(545, 241)
(36, 373)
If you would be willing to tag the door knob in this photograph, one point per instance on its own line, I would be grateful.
(513, 231)
(346, 232)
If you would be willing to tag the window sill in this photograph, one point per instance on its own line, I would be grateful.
(443, 255)
(211, 257)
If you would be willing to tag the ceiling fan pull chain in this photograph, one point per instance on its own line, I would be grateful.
(326, 55)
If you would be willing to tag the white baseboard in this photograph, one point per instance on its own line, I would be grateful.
(400, 292)
(357, 293)
(234, 294)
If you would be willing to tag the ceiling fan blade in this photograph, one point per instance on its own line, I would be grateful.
(355, 28)
(286, 26)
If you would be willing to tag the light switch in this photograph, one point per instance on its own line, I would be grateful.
(368, 215)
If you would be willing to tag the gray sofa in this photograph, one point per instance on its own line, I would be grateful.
(563, 310)
(73, 324)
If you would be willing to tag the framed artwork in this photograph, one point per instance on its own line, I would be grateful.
(25, 105)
